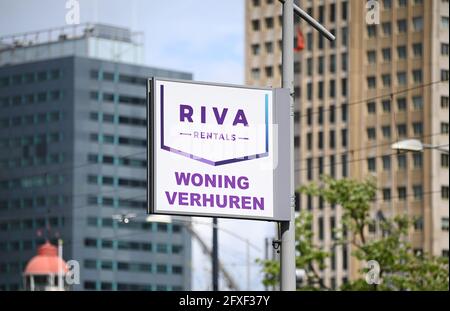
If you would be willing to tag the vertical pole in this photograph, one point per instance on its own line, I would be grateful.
(287, 263)
(266, 255)
(215, 257)
(248, 263)
(60, 267)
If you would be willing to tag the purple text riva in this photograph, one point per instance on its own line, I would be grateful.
(187, 115)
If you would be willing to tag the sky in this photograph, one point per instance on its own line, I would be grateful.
(203, 37)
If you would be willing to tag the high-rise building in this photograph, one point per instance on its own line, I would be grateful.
(374, 85)
(73, 161)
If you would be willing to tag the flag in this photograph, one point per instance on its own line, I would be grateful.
(300, 41)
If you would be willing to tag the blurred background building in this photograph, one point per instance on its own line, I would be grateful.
(73, 160)
(375, 85)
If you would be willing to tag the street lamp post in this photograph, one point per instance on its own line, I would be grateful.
(287, 263)
(215, 256)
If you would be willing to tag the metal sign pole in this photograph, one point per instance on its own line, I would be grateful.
(287, 264)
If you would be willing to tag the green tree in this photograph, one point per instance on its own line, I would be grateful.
(400, 267)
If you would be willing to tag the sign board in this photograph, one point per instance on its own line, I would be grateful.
(218, 150)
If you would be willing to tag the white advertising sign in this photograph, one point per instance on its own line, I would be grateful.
(211, 151)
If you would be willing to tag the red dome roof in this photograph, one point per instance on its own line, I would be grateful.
(46, 261)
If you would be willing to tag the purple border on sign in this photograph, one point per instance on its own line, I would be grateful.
(206, 161)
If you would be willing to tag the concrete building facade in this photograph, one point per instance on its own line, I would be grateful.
(375, 85)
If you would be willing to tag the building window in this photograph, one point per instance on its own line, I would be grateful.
(320, 166)
(256, 25)
(332, 63)
(344, 62)
(297, 67)
(386, 130)
(417, 49)
(320, 115)
(269, 71)
(371, 133)
(344, 87)
(387, 29)
(320, 224)
(320, 65)
(402, 130)
(444, 160)
(371, 31)
(309, 91)
(417, 128)
(444, 224)
(401, 104)
(417, 76)
(255, 73)
(444, 128)
(309, 168)
(417, 102)
(444, 49)
(332, 11)
(269, 47)
(401, 52)
(402, 78)
(269, 22)
(418, 224)
(255, 49)
(256, 2)
(344, 137)
(371, 82)
(371, 57)
(344, 8)
(402, 3)
(332, 139)
(320, 140)
(401, 161)
(444, 75)
(386, 194)
(386, 104)
(444, 22)
(320, 90)
(320, 42)
(417, 160)
(386, 80)
(344, 112)
(309, 116)
(371, 164)
(402, 26)
(386, 54)
(444, 192)
(309, 141)
(344, 34)
(332, 113)
(344, 165)
(418, 192)
(444, 102)
(402, 193)
(309, 41)
(332, 88)
(386, 163)
(417, 23)
(332, 166)
(371, 108)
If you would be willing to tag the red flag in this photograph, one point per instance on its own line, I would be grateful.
(300, 41)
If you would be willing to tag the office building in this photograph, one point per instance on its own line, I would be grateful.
(73, 160)
(374, 85)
